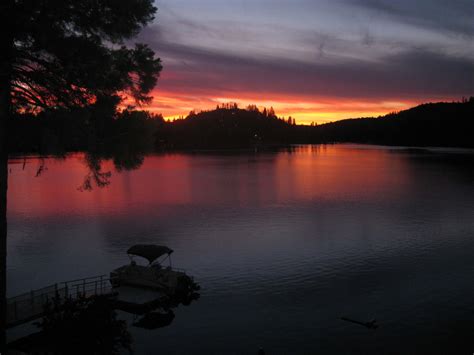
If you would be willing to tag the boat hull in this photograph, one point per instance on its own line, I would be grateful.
(167, 280)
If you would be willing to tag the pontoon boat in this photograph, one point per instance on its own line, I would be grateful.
(170, 280)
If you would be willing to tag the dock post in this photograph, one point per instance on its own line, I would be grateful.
(65, 290)
(101, 285)
(32, 295)
(95, 288)
(84, 287)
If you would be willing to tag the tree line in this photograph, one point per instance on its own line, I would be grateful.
(442, 124)
(102, 127)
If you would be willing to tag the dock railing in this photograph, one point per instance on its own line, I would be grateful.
(178, 269)
(30, 305)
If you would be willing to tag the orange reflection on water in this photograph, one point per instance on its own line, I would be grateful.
(304, 174)
(341, 171)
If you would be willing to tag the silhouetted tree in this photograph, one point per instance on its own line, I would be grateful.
(447, 124)
(3, 232)
(67, 53)
(253, 108)
(228, 106)
(271, 112)
(226, 127)
(84, 326)
(70, 53)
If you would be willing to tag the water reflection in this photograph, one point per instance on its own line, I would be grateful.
(283, 243)
(300, 173)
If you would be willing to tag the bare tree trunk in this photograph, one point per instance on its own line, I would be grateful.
(4, 113)
(3, 239)
(6, 60)
(3, 212)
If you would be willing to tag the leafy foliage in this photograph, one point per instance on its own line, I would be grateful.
(83, 326)
(68, 53)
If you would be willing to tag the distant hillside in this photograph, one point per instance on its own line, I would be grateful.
(227, 127)
(432, 124)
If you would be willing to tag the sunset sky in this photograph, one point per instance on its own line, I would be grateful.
(316, 60)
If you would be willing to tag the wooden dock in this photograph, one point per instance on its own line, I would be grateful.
(30, 305)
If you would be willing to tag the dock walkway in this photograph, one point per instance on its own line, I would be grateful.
(30, 305)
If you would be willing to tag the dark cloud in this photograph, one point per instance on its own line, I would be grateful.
(408, 74)
(305, 50)
(454, 16)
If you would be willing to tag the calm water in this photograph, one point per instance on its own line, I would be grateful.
(282, 244)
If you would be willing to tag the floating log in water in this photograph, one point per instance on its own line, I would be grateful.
(370, 325)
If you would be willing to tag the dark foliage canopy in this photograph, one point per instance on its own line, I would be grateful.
(448, 124)
(66, 53)
(226, 127)
(132, 132)
(83, 326)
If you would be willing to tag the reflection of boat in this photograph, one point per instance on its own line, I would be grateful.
(154, 320)
(171, 281)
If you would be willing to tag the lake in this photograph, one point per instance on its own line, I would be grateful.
(283, 244)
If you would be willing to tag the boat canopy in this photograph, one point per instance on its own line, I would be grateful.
(150, 252)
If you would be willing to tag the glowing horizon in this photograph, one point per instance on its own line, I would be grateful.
(304, 111)
(314, 60)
